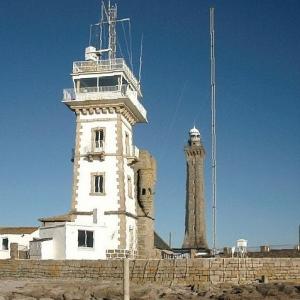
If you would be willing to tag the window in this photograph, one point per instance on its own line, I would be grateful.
(5, 244)
(127, 148)
(129, 184)
(98, 139)
(97, 184)
(143, 191)
(85, 238)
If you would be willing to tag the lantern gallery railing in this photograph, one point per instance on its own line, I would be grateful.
(104, 92)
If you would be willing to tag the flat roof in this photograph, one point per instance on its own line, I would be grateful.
(17, 230)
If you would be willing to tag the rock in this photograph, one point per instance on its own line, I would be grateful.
(288, 290)
(262, 289)
(224, 297)
(237, 290)
(34, 291)
(22, 297)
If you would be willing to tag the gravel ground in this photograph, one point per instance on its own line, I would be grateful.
(95, 290)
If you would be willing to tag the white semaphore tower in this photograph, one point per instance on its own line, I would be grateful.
(106, 98)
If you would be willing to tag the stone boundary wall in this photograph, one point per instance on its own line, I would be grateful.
(179, 271)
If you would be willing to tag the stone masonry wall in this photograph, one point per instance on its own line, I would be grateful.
(180, 271)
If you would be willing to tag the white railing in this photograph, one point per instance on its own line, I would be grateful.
(135, 151)
(100, 89)
(93, 149)
(117, 64)
(104, 92)
(72, 94)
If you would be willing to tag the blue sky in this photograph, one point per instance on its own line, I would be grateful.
(258, 109)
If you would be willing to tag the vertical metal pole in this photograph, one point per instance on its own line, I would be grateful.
(112, 14)
(126, 292)
(101, 24)
(170, 239)
(213, 126)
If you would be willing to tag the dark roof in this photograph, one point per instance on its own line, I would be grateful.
(42, 240)
(66, 217)
(159, 243)
(61, 218)
(17, 230)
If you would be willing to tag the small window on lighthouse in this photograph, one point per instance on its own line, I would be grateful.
(129, 183)
(127, 148)
(97, 184)
(98, 139)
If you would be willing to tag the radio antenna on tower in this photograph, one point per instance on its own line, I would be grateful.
(213, 125)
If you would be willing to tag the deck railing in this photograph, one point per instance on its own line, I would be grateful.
(72, 94)
(104, 92)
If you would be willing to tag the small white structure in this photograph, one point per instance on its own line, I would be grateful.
(241, 247)
(20, 235)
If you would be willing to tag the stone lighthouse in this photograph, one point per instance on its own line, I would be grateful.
(195, 229)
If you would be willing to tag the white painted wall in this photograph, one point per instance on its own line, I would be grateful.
(109, 201)
(58, 235)
(47, 249)
(130, 203)
(64, 244)
(100, 242)
(21, 239)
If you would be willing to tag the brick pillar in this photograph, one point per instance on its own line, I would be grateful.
(14, 252)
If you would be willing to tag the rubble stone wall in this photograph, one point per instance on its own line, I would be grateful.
(180, 271)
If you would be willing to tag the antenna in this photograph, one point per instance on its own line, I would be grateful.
(101, 24)
(109, 17)
(112, 16)
(213, 125)
(141, 56)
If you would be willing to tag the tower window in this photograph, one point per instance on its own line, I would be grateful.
(85, 238)
(127, 148)
(143, 191)
(5, 244)
(129, 184)
(97, 184)
(98, 139)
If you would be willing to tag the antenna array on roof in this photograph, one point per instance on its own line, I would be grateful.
(103, 37)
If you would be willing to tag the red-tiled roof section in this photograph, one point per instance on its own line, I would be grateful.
(17, 230)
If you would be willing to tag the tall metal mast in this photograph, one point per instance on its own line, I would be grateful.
(213, 126)
(112, 16)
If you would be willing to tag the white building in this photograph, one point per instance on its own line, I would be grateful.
(103, 217)
(20, 235)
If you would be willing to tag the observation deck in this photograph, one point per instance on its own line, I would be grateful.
(105, 83)
(104, 67)
(106, 95)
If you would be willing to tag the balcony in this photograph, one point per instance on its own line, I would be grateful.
(104, 66)
(107, 94)
(133, 157)
(96, 152)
